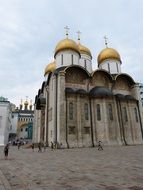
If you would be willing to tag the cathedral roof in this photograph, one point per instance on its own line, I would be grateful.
(100, 91)
(108, 53)
(125, 97)
(67, 44)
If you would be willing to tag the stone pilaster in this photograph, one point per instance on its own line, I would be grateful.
(61, 110)
(46, 115)
(106, 126)
(54, 114)
(79, 131)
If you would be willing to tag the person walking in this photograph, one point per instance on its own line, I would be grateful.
(100, 146)
(32, 146)
(39, 147)
(18, 145)
(6, 150)
(45, 146)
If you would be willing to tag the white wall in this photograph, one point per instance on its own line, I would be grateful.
(4, 122)
(114, 66)
(67, 58)
(88, 60)
(14, 121)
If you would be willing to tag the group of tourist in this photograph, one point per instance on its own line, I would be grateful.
(44, 145)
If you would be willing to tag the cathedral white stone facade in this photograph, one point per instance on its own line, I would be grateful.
(77, 107)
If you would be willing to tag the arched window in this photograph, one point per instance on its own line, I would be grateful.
(125, 114)
(110, 113)
(136, 114)
(86, 111)
(71, 110)
(98, 112)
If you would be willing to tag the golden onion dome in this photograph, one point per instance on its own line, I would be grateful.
(65, 45)
(108, 53)
(84, 50)
(50, 68)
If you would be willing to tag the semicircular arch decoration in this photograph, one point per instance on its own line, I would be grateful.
(101, 78)
(123, 82)
(76, 75)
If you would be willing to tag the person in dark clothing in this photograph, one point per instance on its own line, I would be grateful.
(39, 147)
(18, 145)
(32, 146)
(100, 146)
(6, 150)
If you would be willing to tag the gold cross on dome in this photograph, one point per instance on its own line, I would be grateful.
(106, 43)
(67, 30)
(78, 33)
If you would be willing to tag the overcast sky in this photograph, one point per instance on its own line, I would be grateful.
(30, 30)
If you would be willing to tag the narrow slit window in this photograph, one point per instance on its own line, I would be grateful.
(110, 112)
(125, 114)
(98, 112)
(71, 111)
(136, 115)
(62, 59)
(85, 65)
(86, 111)
(72, 59)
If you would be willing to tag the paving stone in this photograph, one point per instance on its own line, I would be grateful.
(115, 168)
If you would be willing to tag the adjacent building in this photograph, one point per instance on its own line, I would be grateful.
(5, 120)
(25, 121)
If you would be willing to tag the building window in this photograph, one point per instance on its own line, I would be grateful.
(72, 59)
(125, 114)
(110, 113)
(62, 62)
(86, 111)
(136, 114)
(71, 111)
(21, 130)
(26, 129)
(98, 112)
(85, 64)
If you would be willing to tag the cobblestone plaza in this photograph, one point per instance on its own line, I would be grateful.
(114, 168)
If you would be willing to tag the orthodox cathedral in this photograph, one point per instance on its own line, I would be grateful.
(77, 106)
